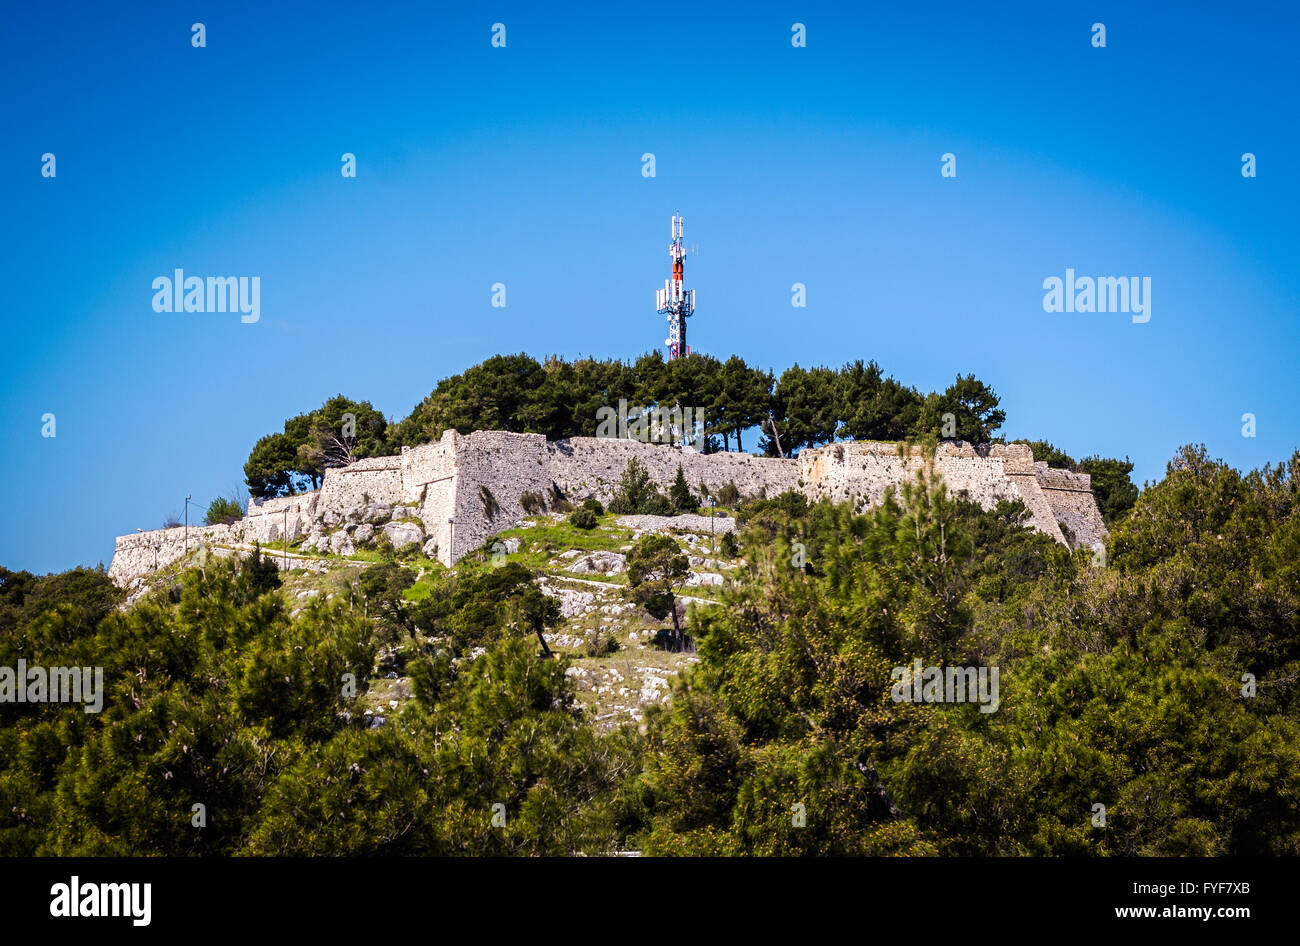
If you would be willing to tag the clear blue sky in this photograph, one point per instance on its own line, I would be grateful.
(522, 165)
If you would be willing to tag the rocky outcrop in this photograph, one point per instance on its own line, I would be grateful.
(599, 563)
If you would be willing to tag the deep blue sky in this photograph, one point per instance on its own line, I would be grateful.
(522, 165)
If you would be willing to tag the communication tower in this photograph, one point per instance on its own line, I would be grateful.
(675, 301)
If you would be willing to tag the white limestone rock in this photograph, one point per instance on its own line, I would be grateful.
(572, 603)
(604, 563)
(704, 578)
(374, 512)
(403, 533)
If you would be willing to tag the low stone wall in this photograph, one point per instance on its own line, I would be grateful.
(142, 552)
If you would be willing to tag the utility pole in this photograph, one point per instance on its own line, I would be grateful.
(286, 538)
(713, 546)
(451, 539)
(187, 525)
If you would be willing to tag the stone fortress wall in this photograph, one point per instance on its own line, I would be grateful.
(453, 495)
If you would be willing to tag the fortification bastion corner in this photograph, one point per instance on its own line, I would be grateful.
(452, 495)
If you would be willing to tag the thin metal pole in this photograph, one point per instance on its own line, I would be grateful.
(187, 525)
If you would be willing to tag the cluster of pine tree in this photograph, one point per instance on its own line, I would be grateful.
(558, 398)
(1148, 705)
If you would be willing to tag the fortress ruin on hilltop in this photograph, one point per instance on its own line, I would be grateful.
(452, 495)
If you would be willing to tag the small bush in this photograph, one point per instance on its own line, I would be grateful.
(601, 645)
(791, 504)
(680, 494)
(636, 495)
(583, 518)
(223, 511)
(594, 505)
(259, 572)
(532, 503)
(728, 495)
(729, 546)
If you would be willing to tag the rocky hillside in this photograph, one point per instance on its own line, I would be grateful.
(621, 658)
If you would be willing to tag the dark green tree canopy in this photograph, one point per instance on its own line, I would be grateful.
(336, 433)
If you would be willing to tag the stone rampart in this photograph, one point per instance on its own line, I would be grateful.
(453, 495)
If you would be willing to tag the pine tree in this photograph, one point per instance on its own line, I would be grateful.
(680, 494)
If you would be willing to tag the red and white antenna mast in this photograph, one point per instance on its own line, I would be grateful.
(673, 300)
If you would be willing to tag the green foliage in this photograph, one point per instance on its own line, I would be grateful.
(564, 399)
(680, 495)
(1045, 452)
(637, 495)
(223, 511)
(259, 573)
(872, 407)
(282, 462)
(270, 468)
(728, 495)
(583, 518)
(1124, 685)
(744, 398)
(654, 565)
(206, 699)
(335, 434)
(383, 589)
(806, 405)
(85, 596)
(1120, 686)
(1112, 487)
(593, 504)
(791, 504)
(974, 409)
(221, 698)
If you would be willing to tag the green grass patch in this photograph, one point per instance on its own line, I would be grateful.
(549, 537)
